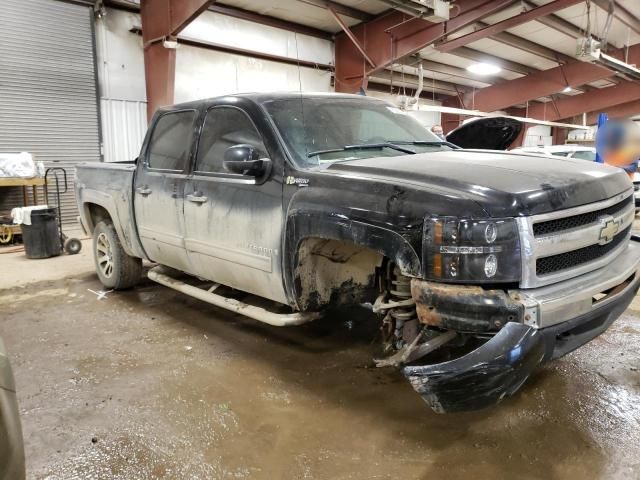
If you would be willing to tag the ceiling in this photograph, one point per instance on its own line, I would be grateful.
(445, 73)
(442, 80)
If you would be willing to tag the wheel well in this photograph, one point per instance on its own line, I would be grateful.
(332, 272)
(96, 214)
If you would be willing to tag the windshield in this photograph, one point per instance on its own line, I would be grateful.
(319, 131)
(588, 155)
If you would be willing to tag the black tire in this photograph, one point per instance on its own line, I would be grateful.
(72, 246)
(114, 267)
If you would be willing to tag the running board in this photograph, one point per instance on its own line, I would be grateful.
(251, 311)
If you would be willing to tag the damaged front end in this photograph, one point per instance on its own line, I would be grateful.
(521, 329)
(494, 370)
(460, 316)
(484, 376)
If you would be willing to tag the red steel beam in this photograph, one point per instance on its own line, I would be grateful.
(488, 31)
(159, 73)
(394, 35)
(599, 100)
(546, 82)
(351, 36)
(167, 18)
(535, 85)
(624, 110)
(163, 19)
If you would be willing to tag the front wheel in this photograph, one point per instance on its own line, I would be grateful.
(115, 268)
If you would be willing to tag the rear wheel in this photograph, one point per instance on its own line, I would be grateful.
(115, 268)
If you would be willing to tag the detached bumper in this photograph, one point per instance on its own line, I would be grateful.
(553, 321)
(483, 377)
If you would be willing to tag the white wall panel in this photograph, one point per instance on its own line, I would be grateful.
(538, 135)
(223, 30)
(202, 73)
(124, 124)
(120, 57)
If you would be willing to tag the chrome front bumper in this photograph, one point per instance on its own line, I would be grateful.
(563, 301)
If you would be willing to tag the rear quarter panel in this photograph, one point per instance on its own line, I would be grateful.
(110, 186)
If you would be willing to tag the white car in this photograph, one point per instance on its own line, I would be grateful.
(569, 151)
(579, 152)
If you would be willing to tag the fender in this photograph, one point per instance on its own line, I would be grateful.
(122, 221)
(303, 224)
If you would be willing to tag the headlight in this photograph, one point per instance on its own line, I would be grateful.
(471, 251)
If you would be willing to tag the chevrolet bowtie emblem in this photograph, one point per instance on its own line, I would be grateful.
(608, 230)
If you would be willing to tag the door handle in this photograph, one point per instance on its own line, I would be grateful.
(196, 197)
(144, 191)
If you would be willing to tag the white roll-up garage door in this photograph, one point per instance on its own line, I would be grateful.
(48, 95)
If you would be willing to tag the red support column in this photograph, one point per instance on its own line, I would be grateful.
(451, 121)
(159, 72)
(163, 20)
(560, 135)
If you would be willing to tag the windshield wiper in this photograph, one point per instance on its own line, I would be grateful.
(364, 146)
(423, 142)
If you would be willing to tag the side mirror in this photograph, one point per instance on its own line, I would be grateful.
(245, 160)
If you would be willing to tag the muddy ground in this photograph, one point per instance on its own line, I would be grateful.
(151, 384)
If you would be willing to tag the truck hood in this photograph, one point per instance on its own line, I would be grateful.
(503, 184)
(489, 133)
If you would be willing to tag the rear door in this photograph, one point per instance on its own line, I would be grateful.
(159, 189)
(234, 223)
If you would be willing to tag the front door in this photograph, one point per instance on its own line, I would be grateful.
(233, 223)
(159, 189)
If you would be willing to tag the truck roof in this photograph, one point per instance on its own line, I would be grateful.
(262, 97)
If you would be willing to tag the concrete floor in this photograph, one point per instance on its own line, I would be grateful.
(151, 384)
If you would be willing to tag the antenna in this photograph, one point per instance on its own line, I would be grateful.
(295, 36)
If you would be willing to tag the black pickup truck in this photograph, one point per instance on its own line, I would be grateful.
(481, 265)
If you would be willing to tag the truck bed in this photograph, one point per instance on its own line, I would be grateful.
(109, 186)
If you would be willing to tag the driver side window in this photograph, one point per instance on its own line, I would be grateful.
(225, 127)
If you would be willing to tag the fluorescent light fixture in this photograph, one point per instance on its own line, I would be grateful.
(483, 68)
(567, 89)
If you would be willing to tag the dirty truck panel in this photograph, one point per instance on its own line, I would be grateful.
(480, 265)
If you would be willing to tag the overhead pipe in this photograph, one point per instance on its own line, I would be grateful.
(416, 95)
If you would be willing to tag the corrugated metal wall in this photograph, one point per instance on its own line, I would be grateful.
(124, 124)
(48, 101)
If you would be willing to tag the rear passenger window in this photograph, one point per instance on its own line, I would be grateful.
(225, 127)
(171, 140)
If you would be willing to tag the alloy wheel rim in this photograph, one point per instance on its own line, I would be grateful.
(104, 254)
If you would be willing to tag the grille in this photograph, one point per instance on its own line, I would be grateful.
(566, 260)
(553, 226)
